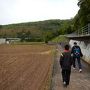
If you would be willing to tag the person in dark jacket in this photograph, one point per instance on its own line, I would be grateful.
(65, 63)
(76, 51)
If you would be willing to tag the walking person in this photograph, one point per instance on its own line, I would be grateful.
(76, 51)
(65, 63)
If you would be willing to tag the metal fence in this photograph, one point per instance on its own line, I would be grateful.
(84, 30)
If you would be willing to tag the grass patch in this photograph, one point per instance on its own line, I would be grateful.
(28, 43)
(48, 82)
(60, 38)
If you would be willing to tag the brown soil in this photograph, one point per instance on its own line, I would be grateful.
(25, 67)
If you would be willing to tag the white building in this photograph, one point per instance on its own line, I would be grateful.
(2, 41)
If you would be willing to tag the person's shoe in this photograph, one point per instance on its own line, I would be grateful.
(64, 84)
(80, 70)
(74, 68)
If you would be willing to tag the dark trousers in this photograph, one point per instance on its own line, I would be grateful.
(66, 75)
(78, 61)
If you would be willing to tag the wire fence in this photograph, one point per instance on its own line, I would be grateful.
(84, 30)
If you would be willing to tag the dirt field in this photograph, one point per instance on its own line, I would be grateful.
(25, 67)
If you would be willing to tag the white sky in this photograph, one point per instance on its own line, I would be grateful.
(17, 11)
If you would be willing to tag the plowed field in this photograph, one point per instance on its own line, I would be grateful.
(25, 67)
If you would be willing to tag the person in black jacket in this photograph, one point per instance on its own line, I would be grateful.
(76, 51)
(65, 63)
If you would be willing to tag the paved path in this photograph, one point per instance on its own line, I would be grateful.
(79, 81)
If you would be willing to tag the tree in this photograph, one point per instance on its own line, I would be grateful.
(83, 16)
(28, 35)
(21, 35)
(0, 26)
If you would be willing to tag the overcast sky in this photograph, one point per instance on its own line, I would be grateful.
(17, 11)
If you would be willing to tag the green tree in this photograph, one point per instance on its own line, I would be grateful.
(0, 26)
(83, 16)
(28, 35)
(21, 35)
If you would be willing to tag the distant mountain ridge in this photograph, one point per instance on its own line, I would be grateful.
(37, 30)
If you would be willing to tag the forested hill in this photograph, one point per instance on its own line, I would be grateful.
(41, 30)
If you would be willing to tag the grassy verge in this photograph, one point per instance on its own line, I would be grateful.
(52, 67)
(47, 85)
(50, 74)
(60, 38)
(27, 43)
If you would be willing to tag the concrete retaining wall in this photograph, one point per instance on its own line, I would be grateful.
(85, 47)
